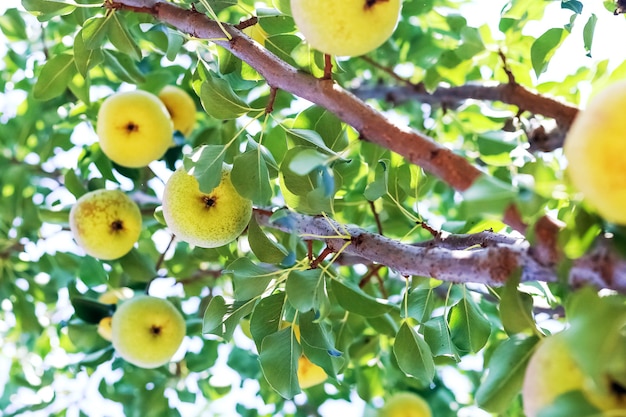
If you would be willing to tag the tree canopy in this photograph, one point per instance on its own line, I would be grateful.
(413, 214)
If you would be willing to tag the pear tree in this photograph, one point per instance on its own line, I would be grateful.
(307, 208)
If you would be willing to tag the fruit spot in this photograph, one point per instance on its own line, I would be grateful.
(618, 389)
(155, 330)
(132, 127)
(209, 201)
(371, 3)
(117, 225)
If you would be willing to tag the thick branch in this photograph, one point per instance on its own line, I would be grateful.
(371, 124)
(483, 258)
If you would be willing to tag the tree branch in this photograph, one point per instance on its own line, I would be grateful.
(483, 258)
(371, 124)
(451, 97)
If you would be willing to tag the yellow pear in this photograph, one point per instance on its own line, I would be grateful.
(105, 223)
(405, 404)
(181, 107)
(552, 371)
(309, 374)
(147, 331)
(346, 27)
(134, 128)
(104, 328)
(113, 295)
(595, 147)
(204, 220)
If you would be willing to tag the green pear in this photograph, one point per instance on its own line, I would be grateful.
(147, 331)
(206, 220)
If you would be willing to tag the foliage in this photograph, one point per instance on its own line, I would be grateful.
(371, 329)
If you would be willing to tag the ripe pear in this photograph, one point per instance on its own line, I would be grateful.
(181, 107)
(147, 331)
(346, 27)
(552, 371)
(405, 404)
(113, 295)
(205, 220)
(595, 149)
(105, 329)
(105, 223)
(134, 128)
(309, 374)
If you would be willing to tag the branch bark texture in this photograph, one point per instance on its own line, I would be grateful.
(482, 258)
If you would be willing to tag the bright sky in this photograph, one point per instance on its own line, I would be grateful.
(610, 30)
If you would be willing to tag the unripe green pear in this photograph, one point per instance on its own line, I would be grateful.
(206, 220)
(147, 331)
(105, 223)
(346, 27)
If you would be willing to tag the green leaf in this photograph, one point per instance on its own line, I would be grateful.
(90, 310)
(544, 47)
(573, 5)
(94, 31)
(469, 327)
(221, 318)
(437, 335)
(596, 336)
(588, 33)
(353, 299)
(207, 162)
(263, 247)
(413, 354)
(307, 160)
(505, 373)
(487, 195)
(571, 404)
(420, 304)
(305, 288)
(46, 9)
(220, 101)
(74, 184)
(310, 194)
(266, 318)
(123, 67)
(249, 279)
(250, 177)
(12, 25)
(138, 266)
(378, 187)
(516, 307)
(54, 77)
(92, 272)
(279, 356)
(310, 136)
(121, 38)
